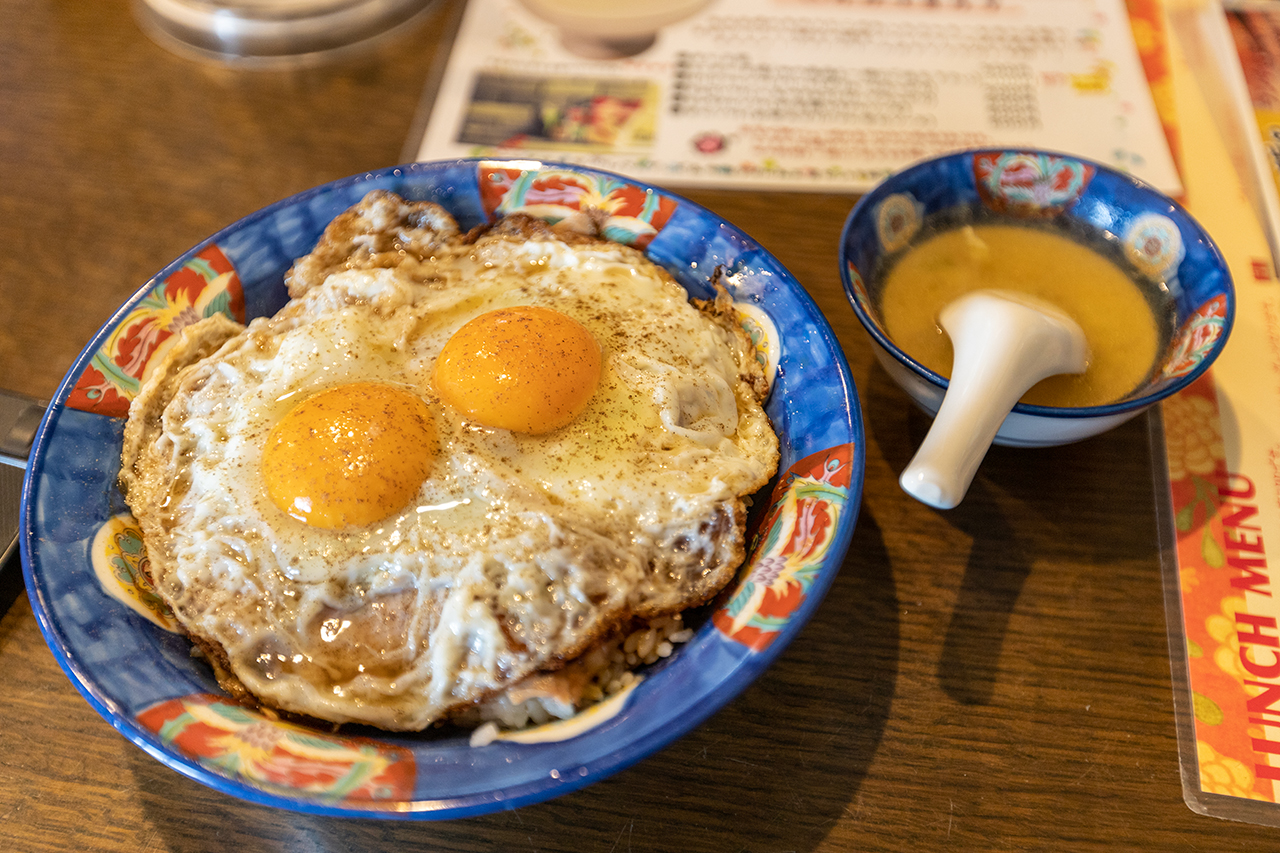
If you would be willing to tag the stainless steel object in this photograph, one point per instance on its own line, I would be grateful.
(19, 419)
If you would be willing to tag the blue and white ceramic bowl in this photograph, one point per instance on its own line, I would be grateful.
(85, 563)
(1155, 236)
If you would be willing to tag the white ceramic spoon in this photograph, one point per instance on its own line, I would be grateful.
(1004, 343)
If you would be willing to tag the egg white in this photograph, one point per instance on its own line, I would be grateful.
(518, 550)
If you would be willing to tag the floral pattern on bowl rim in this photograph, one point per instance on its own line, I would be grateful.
(281, 756)
(205, 284)
(1030, 183)
(789, 548)
(632, 214)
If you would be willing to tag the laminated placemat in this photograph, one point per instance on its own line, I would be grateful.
(1219, 495)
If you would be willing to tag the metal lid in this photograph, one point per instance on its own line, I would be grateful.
(271, 32)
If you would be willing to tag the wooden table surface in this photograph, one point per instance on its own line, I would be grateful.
(995, 677)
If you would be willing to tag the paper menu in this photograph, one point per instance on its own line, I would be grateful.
(804, 94)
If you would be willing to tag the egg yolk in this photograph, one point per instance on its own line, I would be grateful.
(528, 369)
(349, 456)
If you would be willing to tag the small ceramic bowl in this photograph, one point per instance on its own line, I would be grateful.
(611, 30)
(1147, 231)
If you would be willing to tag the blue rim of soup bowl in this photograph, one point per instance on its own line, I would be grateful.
(956, 170)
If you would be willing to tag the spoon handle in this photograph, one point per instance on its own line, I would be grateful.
(1002, 347)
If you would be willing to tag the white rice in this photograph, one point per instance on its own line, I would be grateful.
(611, 667)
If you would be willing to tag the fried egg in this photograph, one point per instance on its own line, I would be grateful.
(447, 465)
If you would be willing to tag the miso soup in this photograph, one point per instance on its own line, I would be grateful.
(1123, 322)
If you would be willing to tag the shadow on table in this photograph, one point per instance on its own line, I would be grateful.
(11, 583)
(1059, 498)
(1071, 494)
(776, 767)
